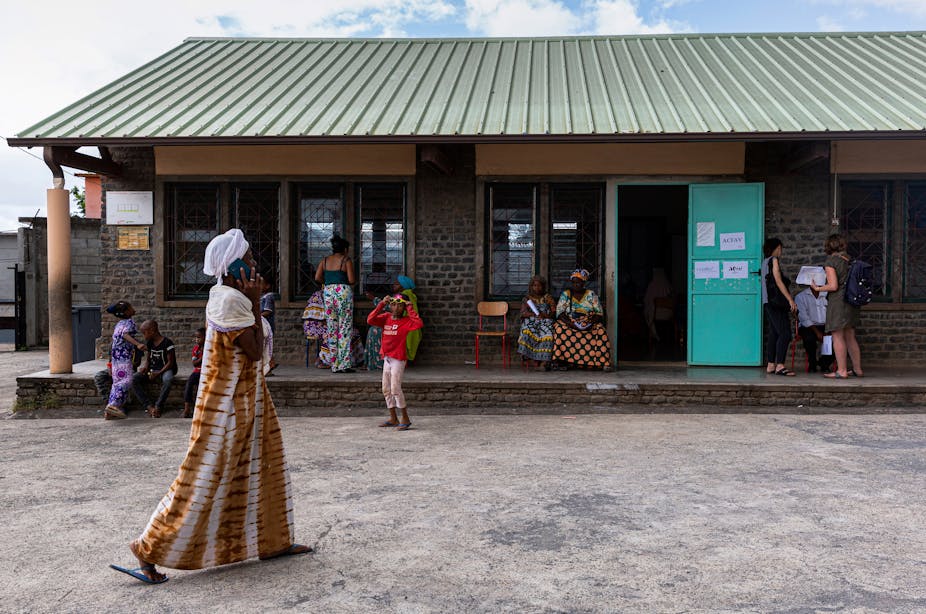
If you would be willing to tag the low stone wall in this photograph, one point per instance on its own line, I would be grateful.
(299, 398)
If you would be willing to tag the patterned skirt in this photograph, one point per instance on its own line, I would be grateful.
(581, 348)
(536, 339)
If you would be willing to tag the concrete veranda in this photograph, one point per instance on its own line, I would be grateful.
(592, 513)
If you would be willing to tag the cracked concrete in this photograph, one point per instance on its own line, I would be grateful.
(633, 513)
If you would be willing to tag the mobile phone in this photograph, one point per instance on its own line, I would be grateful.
(234, 269)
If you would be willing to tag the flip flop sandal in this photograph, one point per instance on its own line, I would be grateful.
(404, 426)
(785, 372)
(139, 573)
(114, 412)
(388, 424)
(852, 373)
(835, 375)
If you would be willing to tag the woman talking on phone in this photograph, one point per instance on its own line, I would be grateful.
(336, 273)
(232, 498)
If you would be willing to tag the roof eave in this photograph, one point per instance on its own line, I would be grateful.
(466, 138)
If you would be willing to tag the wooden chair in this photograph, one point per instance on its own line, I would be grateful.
(488, 310)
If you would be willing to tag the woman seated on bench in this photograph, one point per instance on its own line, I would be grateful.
(579, 337)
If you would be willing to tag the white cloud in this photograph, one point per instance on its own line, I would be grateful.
(828, 24)
(520, 18)
(916, 8)
(621, 17)
(54, 53)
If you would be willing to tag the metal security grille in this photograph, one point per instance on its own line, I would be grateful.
(866, 219)
(257, 213)
(511, 230)
(319, 213)
(575, 238)
(381, 211)
(915, 242)
(192, 221)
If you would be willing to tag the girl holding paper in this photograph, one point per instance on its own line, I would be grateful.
(535, 343)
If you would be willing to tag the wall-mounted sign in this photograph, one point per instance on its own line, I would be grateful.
(133, 237)
(129, 208)
(706, 269)
(705, 236)
(732, 241)
(736, 269)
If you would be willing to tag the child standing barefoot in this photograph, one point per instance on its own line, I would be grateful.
(401, 320)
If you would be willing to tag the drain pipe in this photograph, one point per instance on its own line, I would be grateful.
(60, 333)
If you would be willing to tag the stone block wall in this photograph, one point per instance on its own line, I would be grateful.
(798, 210)
(446, 255)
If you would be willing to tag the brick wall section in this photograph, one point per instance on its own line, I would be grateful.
(446, 256)
(798, 210)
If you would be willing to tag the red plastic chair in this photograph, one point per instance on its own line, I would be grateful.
(487, 311)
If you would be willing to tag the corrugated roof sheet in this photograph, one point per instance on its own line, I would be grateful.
(609, 87)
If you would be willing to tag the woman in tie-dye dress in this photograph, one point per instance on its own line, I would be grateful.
(231, 499)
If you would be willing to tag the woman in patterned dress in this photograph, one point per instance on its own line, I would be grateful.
(232, 498)
(535, 343)
(336, 272)
(579, 337)
(121, 353)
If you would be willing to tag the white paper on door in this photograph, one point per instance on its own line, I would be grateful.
(707, 269)
(732, 241)
(705, 234)
(736, 269)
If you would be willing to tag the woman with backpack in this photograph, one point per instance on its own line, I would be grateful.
(841, 317)
(778, 306)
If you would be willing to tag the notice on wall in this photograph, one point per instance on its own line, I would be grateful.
(707, 269)
(129, 208)
(732, 241)
(735, 269)
(705, 234)
(133, 238)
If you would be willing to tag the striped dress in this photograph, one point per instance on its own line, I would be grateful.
(232, 498)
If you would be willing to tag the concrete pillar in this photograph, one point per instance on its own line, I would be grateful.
(60, 340)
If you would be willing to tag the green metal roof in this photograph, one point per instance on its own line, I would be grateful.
(601, 88)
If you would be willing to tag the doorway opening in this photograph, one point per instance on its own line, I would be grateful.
(652, 265)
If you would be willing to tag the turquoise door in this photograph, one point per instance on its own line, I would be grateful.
(725, 235)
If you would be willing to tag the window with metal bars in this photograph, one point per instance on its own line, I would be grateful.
(197, 212)
(192, 211)
(376, 210)
(571, 238)
(884, 217)
(381, 215)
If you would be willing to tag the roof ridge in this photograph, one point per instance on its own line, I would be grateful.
(565, 37)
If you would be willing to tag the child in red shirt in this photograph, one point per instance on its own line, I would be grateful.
(192, 384)
(396, 325)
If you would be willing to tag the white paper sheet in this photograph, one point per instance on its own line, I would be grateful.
(707, 269)
(826, 348)
(807, 274)
(732, 241)
(705, 234)
(735, 269)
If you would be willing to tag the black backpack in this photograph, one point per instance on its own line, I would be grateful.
(859, 283)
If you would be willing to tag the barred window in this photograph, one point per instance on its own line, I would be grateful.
(381, 212)
(192, 214)
(866, 223)
(512, 211)
(914, 249)
(319, 213)
(257, 214)
(575, 237)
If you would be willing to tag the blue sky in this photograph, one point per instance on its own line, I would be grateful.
(49, 63)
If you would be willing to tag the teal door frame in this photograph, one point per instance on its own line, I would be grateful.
(688, 284)
(616, 255)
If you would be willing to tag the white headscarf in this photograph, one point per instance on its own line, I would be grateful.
(222, 251)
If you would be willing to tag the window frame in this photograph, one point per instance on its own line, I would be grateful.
(286, 258)
(895, 229)
(543, 229)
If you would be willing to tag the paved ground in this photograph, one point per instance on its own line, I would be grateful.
(13, 364)
(637, 513)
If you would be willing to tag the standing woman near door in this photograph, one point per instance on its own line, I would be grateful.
(336, 273)
(778, 306)
(841, 317)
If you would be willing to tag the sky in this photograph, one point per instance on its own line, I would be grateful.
(54, 53)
